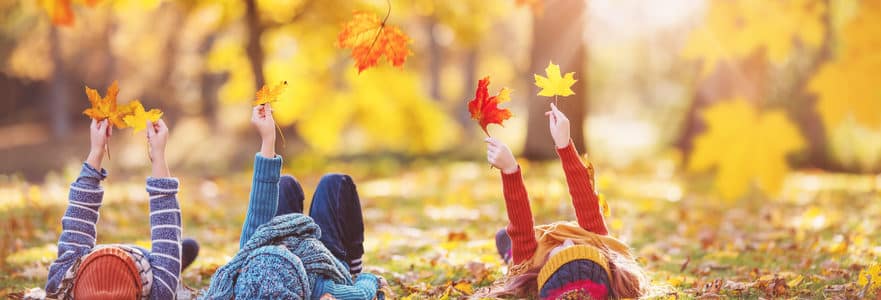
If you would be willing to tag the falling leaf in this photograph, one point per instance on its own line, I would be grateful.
(106, 108)
(554, 84)
(485, 109)
(268, 94)
(745, 146)
(138, 118)
(369, 38)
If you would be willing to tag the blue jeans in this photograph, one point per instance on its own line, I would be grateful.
(336, 209)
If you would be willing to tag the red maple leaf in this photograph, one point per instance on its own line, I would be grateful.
(370, 39)
(485, 109)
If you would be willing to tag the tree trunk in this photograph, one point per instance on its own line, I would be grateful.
(58, 96)
(435, 60)
(469, 77)
(254, 48)
(558, 36)
(804, 109)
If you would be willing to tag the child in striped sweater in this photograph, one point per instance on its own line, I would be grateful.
(86, 271)
(562, 260)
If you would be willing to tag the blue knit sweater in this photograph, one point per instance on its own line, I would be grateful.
(304, 244)
(79, 233)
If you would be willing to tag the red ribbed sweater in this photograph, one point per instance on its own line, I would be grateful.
(584, 199)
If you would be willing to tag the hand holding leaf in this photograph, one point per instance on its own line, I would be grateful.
(485, 109)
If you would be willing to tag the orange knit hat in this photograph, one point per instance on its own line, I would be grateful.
(107, 273)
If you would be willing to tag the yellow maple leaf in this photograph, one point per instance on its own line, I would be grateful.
(268, 94)
(745, 147)
(554, 84)
(847, 86)
(138, 118)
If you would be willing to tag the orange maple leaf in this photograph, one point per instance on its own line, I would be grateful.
(106, 107)
(268, 94)
(485, 109)
(369, 38)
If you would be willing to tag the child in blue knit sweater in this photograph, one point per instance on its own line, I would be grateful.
(86, 271)
(287, 255)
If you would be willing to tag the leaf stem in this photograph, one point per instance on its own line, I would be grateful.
(107, 149)
(382, 25)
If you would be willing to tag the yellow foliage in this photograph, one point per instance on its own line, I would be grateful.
(745, 146)
(736, 28)
(848, 86)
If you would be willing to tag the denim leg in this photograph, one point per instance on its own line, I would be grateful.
(336, 208)
(290, 196)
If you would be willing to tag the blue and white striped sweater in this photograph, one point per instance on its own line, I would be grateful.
(79, 230)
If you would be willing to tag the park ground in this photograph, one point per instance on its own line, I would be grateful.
(430, 226)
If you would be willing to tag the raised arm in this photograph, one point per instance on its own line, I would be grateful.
(165, 217)
(578, 177)
(521, 225)
(267, 170)
(78, 231)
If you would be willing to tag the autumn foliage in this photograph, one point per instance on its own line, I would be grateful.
(131, 114)
(370, 39)
(485, 108)
(267, 94)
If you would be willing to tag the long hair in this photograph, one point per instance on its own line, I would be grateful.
(628, 280)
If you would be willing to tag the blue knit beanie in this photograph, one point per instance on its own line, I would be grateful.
(272, 272)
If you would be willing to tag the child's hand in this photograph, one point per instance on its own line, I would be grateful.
(499, 155)
(157, 137)
(559, 125)
(99, 135)
(261, 117)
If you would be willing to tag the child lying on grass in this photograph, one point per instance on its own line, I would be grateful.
(287, 255)
(86, 271)
(563, 260)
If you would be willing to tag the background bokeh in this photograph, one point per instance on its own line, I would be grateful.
(723, 130)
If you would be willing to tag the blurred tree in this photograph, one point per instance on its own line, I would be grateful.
(738, 44)
(558, 36)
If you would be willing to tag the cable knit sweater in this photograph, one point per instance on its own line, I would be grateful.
(299, 234)
(521, 228)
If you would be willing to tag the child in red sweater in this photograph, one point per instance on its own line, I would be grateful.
(563, 260)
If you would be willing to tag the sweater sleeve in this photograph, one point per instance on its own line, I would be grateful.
(365, 288)
(581, 188)
(521, 225)
(78, 226)
(165, 233)
(264, 195)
